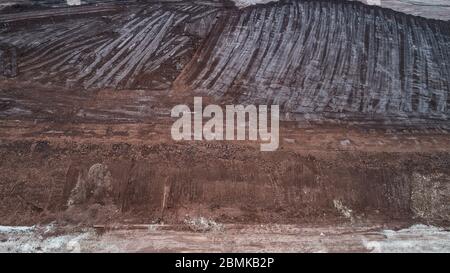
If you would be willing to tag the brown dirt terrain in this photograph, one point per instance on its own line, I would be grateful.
(96, 170)
(85, 125)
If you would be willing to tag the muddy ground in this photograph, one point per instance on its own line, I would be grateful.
(107, 156)
(100, 171)
(230, 238)
(111, 167)
(85, 145)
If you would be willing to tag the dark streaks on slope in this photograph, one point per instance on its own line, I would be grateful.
(316, 59)
(145, 46)
(8, 61)
(25, 17)
(333, 59)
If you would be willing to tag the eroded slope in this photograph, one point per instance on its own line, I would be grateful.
(328, 59)
(131, 46)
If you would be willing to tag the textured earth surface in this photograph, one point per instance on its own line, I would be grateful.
(85, 99)
(231, 238)
(316, 59)
(328, 59)
(437, 9)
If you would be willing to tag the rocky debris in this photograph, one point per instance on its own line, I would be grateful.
(342, 209)
(96, 187)
(201, 224)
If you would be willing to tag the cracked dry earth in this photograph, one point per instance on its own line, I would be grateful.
(85, 99)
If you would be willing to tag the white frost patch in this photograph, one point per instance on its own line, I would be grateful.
(246, 3)
(374, 2)
(73, 2)
(33, 239)
(417, 238)
(345, 142)
(65, 243)
(12, 230)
